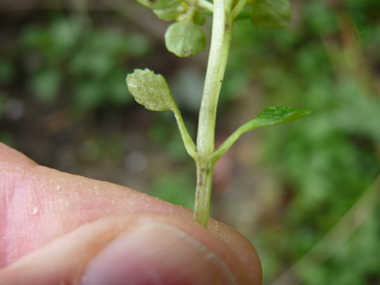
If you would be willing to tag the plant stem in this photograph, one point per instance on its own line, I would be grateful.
(205, 4)
(203, 192)
(214, 76)
(219, 49)
(237, 9)
(187, 140)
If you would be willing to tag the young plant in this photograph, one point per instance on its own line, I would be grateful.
(184, 38)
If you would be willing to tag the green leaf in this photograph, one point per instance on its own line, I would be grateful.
(167, 10)
(267, 117)
(185, 38)
(199, 18)
(270, 14)
(150, 90)
(158, 4)
(168, 14)
(276, 115)
(163, 4)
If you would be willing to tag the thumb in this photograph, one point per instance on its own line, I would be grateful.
(133, 249)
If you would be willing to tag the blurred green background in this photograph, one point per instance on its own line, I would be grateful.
(305, 193)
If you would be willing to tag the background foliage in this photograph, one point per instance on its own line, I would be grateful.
(64, 103)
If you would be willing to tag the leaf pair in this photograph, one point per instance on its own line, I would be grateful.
(152, 91)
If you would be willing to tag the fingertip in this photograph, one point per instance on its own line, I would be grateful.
(242, 247)
(157, 253)
(172, 249)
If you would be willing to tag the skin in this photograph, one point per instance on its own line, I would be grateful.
(58, 228)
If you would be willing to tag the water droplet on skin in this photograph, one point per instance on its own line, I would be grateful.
(58, 187)
(34, 210)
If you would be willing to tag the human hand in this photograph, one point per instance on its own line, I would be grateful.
(58, 228)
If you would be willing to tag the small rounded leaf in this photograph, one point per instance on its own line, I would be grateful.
(150, 90)
(270, 14)
(163, 4)
(168, 14)
(158, 4)
(199, 18)
(185, 38)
